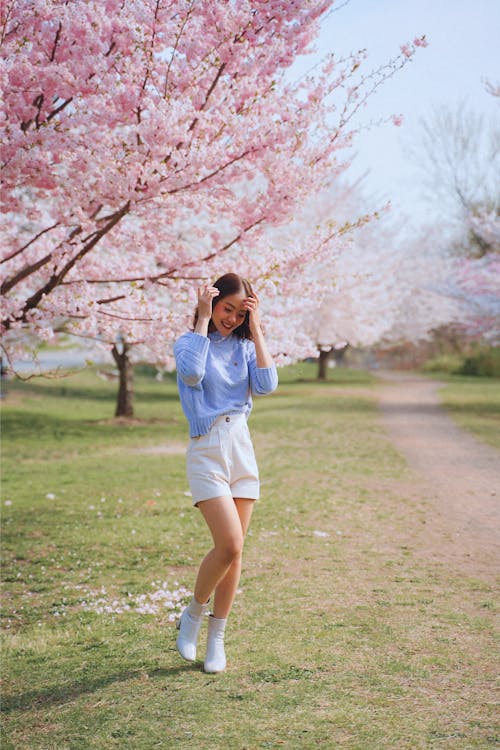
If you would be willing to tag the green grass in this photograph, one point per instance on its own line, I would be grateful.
(346, 638)
(475, 404)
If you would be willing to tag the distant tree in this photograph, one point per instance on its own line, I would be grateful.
(462, 163)
(459, 156)
(334, 354)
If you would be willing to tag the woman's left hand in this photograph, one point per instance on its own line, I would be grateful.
(252, 305)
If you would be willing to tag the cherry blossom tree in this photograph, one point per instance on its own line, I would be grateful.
(477, 283)
(383, 288)
(468, 155)
(146, 146)
(474, 283)
(351, 295)
(448, 275)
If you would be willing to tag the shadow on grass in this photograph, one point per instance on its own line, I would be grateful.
(60, 694)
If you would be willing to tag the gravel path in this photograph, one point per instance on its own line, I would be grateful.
(456, 477)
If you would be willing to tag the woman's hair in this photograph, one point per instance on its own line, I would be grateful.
(227, 285)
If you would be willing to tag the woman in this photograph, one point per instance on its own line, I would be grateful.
(220, 365)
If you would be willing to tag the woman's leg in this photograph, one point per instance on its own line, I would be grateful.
(225, 590)
(228, 521)
(223, 520)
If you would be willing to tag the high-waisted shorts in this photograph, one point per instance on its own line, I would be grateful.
(222, 462)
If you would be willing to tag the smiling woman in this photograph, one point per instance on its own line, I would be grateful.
(230, 314)
(220, 365)
(233, 315)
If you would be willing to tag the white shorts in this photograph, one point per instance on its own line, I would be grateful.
(222, 462)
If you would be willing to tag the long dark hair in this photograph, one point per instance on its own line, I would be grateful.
(227, 285)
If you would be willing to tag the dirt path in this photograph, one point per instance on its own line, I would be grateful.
(456, 476)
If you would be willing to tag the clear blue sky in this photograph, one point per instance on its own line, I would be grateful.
(464, 43)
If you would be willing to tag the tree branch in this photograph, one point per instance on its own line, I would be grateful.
(59, 109)
(33, 239)
(166, 274)
(24, 273)
(208, 95)
(56, 42)
(57, 278)
(203, 179)
(123, 317)
(7, 12)
(175, 49)
(110, 299)
(33, 267)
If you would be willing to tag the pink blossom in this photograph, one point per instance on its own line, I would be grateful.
(150, 146)
(421, 41)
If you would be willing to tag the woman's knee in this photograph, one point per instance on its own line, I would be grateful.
(230, 548)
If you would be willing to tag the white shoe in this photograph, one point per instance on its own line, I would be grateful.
(215, 660)
(189, 628)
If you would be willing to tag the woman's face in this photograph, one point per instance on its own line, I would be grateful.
(229, 313)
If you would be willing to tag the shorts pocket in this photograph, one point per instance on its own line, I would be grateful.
(205, 445)
(246, 439)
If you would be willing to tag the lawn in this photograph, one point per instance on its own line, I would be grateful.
(341, 636)
(475, 404)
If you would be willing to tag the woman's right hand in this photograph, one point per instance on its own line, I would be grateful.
(206, 295)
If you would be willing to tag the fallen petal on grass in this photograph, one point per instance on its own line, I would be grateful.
(152, 603)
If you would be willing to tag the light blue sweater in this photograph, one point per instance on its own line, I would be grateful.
(218, 375)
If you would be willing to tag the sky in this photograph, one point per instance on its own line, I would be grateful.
(463, 51)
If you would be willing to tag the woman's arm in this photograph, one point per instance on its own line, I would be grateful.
(264, 358)
(190, 352)
(263, 374)
(191, 349)
(206, 295)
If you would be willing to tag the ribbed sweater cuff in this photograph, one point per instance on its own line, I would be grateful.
(267, 378)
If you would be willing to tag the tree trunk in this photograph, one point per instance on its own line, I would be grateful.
(125, 401)
(324, 355)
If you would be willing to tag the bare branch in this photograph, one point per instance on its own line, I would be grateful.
(458, 156)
